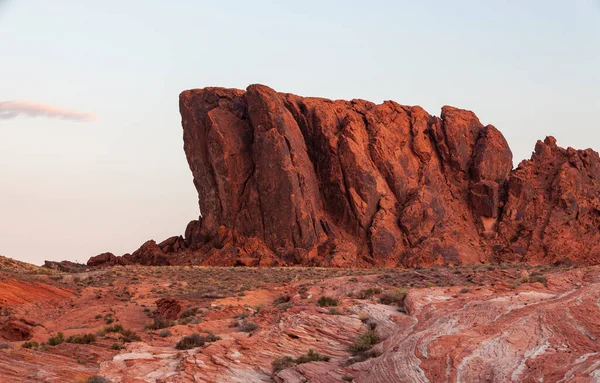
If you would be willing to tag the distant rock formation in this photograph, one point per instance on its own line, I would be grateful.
(286, 180)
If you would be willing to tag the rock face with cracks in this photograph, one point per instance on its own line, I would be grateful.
(287, 180)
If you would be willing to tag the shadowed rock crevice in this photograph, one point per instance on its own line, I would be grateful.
(284, 179)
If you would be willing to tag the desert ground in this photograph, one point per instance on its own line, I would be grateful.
(507, 322)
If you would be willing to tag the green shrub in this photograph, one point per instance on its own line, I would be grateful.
(325, 301)
(159, 323)
(195, 340)
(364, 342)
(282, 363)
(248, 327)
(287, 361)
(189, 313)
(394, 297)
(57, 339)
(81, 339)
(31, 345)
(164, 333)
(367, 293)
(311, 356)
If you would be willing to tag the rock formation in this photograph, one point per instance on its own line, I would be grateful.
(286, 180)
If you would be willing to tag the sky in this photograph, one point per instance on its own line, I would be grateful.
(91, 150)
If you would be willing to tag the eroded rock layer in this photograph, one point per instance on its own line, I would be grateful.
(285, 180)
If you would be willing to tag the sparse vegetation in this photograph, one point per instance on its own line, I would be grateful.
(394, 297)
(364, 342)
(56, 340)
(164, 333)
(81, 339)
(126, 335)
(368, 293)
(195, 340)
(247, 326)
(325, 301)
(31, 345)
(287, 361)
(159, 323)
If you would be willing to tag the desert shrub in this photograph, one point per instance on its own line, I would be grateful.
(367, 293)
(81, 339)
(394, 297)
(108, 329)
(287, 361)
(116, 346)
(57, 339)
(334, 311)
(364, 342)
(129, 336)
(126, 335)
(248, 327)
(5, 345)
(195, 340)
(325, 301)
(464, 291)
(31, 345)
(282, 299)
(97, 379)
(164, 333)
(311, 356)
(189, 313)
(98, 316)
(159, 323)
(243, 315)
(282, 363)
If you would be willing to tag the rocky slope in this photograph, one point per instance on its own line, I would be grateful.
(510, 323)
(289, 180)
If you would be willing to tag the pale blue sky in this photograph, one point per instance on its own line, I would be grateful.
(70, 190)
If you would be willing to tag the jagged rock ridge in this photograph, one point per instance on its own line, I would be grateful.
(284, 179)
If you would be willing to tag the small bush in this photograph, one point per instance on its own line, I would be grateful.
(189, 313)
(81, 338)
(116, 346)
(368, 293)
(364, 342)
(164, 333)
(126, 335)
(325, 301)
(195, 340)
(5, 345)
(159, 323)
(538, 277)
(464, 291)
(57, 339)
(282, 363)
(31, 345)
(248, 327)
(287, 361)
(282, 299)
(394, 297)
(312, 356)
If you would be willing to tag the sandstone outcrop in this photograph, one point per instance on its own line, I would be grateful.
(287, 180)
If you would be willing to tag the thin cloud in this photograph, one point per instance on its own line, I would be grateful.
(12, 109)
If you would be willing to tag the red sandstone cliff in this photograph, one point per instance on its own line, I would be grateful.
(284, 179)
